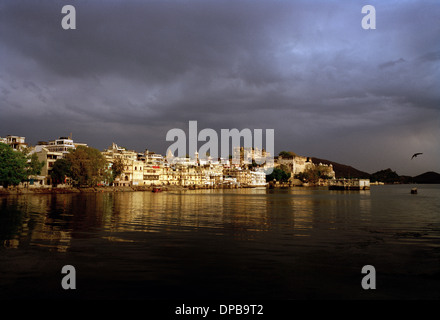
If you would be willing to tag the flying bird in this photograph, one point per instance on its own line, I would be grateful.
(416, 154)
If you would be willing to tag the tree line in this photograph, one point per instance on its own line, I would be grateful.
(17, 166)
(83, 167)
(312, 175)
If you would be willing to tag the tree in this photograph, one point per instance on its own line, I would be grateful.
(313, 175)
(117, 168)
(279, 175)
(287, 154)
(60, 170)
(13, 166)
(34, 166)
(88, 167)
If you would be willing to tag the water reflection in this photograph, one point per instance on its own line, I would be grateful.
(217, 242)
(42, 221)
(53, 220)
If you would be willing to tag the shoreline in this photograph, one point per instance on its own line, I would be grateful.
(102, 189)
(66, 190)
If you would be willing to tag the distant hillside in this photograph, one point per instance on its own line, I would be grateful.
(342, 170)
(386, 176)
(427, 177)
(389, 176)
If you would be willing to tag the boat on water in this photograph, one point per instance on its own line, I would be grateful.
(156, 189)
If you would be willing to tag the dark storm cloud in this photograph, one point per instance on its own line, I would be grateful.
(135, 69)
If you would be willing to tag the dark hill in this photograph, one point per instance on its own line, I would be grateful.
(342, 170)
(387, 176)
(427, 177)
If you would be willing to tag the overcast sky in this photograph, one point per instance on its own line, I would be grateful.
(132, 70)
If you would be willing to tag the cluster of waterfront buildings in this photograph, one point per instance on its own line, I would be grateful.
(151, 169)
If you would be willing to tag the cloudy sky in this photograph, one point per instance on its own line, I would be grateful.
(132, 70)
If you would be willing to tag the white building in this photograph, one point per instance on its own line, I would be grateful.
(15, 142)
(258, 178)
(62, 144)
(48, 158)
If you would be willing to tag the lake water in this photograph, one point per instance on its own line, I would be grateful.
(298, 243)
